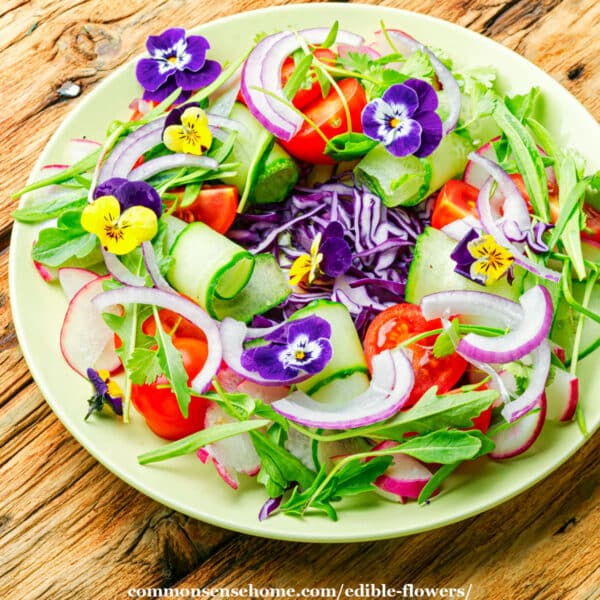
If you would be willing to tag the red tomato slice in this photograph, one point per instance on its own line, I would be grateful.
(172, 321)
(159, 405)
(329, 116)
(215, 205)
(403, 321)
(455, 201)
(304, 96)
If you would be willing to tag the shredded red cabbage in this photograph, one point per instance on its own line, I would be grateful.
(382, 240)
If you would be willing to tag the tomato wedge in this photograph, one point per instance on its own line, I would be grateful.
(401, 322)
(174, 325)
(329, 116)
(215, 205)
(158, 404)
(305, 95)
(455, 201)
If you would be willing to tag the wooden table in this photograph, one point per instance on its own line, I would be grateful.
(70, 529)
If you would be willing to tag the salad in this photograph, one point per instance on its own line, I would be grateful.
(337, 265)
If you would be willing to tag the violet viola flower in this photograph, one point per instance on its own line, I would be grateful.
(176, 61)
(337, 256)
(107, 393)
(130, 193)
(404, 119)
(294, 348)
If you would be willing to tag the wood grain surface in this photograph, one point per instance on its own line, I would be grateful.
(71, 529)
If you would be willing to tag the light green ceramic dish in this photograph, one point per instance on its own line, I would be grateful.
(186, 485)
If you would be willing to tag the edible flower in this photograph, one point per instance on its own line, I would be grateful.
(176, 61)
(404, 119)
(107, 393)
(123, 214)
(186, 130)
(330, 255)
(296, 347)
(480, 258)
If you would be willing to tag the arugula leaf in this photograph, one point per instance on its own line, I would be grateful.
(324, 81)
(442, 446)
(56, 245)
(527, 157)
(43, 211)
(143, 366)
(445, 343)
(348, 146)
(279, 467)
(433, 412)
(199, 439)
(171, 365)
(299, 76)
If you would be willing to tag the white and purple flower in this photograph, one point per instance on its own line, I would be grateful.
(294, 348)
(404, 119)
(176, 61)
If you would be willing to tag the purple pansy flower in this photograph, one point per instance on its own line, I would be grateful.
(404, 119)
(130, 193)
(300, 346)
(337, 256)
(107, 393)
(176, 61)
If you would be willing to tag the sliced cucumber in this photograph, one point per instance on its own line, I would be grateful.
(266, 288)
(408, 180)
(277, 173)
(346, 372)
(432, 270)
(208, 266)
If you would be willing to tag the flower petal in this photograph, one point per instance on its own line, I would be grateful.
(432, 133)
(140, 223)
(402, 98)
(102, 211)
(152, 74)
(428, 99)
(139, 193)
(337, 256)
(165, 90)
(374, 116)
(189, 81)
(197, 46)
(173, 137)
(407, 139)
(313, 327)
(97, 381)
(265, 361)
(109, 187)
(164, 44)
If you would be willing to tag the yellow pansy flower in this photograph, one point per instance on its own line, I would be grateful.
(305, 268)
(193, 135)
(491, 260)
(119, 233)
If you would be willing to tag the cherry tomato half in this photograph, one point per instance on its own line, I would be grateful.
(215, 205)
(455, 201)
(400, 322)
(329, 116)
(174, 325)
(158, 404)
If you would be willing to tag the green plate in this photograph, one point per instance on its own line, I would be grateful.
(194, 489)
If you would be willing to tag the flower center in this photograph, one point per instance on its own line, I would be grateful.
(172, 59)
(300, 355)
(394, 122)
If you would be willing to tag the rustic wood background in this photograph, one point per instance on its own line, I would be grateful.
(70, 529)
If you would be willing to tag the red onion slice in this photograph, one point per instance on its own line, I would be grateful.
(152, 267)
(119, 271)
(528, 400)
(125, 153)
(262, 70)
(488, 221)
(393, 379)
(182, 306)
(522, 339)
(233, 335)
(407, 45)
(171, 161)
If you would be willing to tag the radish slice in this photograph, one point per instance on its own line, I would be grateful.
(232, 455)
(72, 279)
(527, 335)
(79, 148)
(520, 436)
(404, 478)
(171, 161)
(393, 379)
(488, 220)
(48, 192)
(84, 334)
(562, 396)
(345, 49)
(183, 306)
(540, 359)
(48, 274)
(300, 446)
(262, 71)
(406, 44)
(109, 359)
